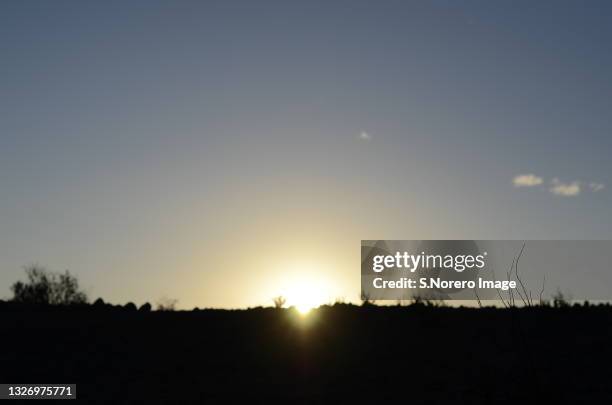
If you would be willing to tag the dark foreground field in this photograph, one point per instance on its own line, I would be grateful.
(343, 354)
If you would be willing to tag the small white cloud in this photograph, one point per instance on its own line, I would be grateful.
(595, 187)
(527, 180)
(557, 187)
(565, 189)
(364, 136)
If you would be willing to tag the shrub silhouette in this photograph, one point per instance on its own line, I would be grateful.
(46, 288)
(279, 301)
(561, 300)
(366, 300)
(99, 303)
(166, 304)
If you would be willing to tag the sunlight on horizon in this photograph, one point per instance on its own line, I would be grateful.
(304, 309)
(306, 291)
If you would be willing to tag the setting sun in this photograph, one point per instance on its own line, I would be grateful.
(304, 309)
(306, 293)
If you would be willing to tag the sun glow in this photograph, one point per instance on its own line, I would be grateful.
(304, 309)
(307, 293)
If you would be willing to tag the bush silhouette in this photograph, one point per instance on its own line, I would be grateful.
(561, 300)
(45, 288)
(279, 301)
(99, 303)
(166, 304)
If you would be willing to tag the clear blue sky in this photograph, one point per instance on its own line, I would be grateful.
(173, 148)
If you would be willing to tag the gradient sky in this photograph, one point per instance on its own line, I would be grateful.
(212, 151)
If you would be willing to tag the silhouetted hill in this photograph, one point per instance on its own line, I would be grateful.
(343, 354)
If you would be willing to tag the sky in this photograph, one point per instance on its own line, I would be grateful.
(225, 152)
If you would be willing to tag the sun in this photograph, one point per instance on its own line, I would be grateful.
(304, 309)
(306, 293)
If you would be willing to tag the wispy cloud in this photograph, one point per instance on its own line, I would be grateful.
(527, 180)
(565, 189)
(557, 187)
(364, 136)
(595, 187)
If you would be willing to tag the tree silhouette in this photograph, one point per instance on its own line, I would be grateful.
(47, 288)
